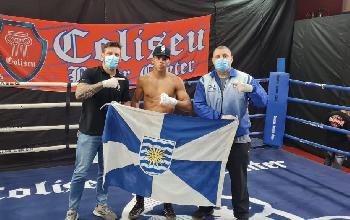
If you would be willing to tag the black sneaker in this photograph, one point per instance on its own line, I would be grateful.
(136, 211)
(169, 211)
(329, 159)
(202, 212)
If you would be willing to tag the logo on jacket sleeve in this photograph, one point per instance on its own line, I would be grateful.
(156, 155)
(23, 51)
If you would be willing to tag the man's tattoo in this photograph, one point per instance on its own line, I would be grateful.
(88, 92)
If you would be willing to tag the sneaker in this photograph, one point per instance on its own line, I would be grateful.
(202, 212)
(104, 212)
(72, 215)
(329, 159)
(137, 210)
(169, 211)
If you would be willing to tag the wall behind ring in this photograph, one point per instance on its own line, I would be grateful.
(258, 32)
(320, 54)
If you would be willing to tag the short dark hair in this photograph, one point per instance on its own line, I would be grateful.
(110, 44)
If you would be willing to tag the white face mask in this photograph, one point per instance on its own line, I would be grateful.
(111, 61)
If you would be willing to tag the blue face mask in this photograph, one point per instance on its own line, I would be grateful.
(222, 65)
(111, 61)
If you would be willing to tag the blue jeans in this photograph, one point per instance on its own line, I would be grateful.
(87, 147)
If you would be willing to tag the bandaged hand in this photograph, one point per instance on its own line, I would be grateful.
(242, 87)
(166, 100)
(111, 83)
(229, 117)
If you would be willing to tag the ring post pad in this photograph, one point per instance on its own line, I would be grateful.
(276, 109)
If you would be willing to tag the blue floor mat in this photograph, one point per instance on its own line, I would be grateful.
(281, 185)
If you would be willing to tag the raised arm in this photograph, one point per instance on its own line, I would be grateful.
(258, 95)
(85, 91)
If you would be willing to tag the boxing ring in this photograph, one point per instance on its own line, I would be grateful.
(276, 111)
(282, 185)
(67, 105)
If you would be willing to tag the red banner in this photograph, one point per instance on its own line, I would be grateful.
(34, 50)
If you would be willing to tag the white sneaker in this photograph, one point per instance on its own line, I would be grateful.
(104, 212)
(72, 215)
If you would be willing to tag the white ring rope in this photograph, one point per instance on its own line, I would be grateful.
(30, 84)
(39, 105)
(37, 128)
(35, 149)
(36, 106)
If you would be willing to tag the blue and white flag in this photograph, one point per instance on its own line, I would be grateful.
(170, 158)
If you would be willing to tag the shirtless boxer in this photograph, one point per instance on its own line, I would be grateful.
(161, 91)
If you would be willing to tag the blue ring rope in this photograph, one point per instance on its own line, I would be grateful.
(257, 116)
(315, 124)
(319, 125)
(256, 133)
(317, 145)
(319, 85)
(304, 101)
(321, 104)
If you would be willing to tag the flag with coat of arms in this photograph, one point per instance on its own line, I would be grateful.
(167, 157)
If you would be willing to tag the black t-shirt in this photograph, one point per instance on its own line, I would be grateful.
(92, 119)
(339, 140)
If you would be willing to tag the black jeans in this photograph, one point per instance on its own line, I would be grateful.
(237, 165)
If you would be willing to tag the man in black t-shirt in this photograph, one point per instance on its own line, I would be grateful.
(337, 119)
(96, 87)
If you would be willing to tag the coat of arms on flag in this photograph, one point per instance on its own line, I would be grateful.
(170, 158)
(155, 155)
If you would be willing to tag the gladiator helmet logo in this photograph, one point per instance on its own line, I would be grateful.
(23, 51)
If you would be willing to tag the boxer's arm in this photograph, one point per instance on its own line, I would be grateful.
(184, 102)
(138, 94)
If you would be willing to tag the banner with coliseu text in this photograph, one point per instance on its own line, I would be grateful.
(33, 50)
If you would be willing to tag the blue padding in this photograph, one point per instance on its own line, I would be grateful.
(281, 65)
(276, 109)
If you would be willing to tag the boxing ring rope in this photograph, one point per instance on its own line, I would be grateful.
(317, 145)
(326, 105)
(276, 111)
(273, 125)
(65, 127)
(190, 82)
(38, 105)
(37, 128)
(315, 124)
(319, 85)
(257, 116)
(67, 105)
(319, 125)
(35, 149)
(36, 84)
